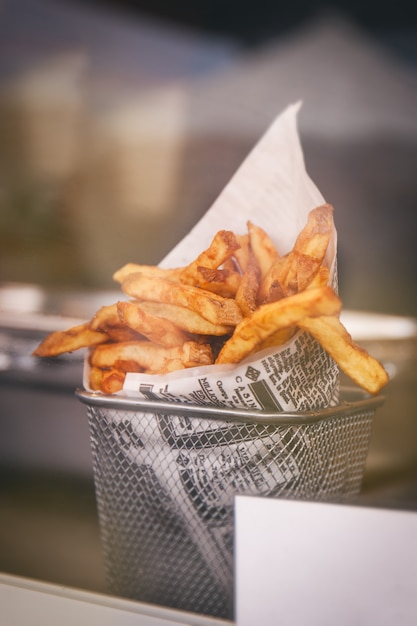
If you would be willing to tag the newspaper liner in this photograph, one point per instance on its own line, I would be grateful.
(272, 189)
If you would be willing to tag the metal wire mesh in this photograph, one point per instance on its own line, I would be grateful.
(165, 487)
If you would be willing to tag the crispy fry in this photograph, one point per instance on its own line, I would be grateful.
(247, 292)
(241, 255)
(75, 338)
(112, 381)
(278, 338)
(314, 238)
(271, 318)
(309, 250)
(321, 278)
(157, 329)
(222, 247)
(262, 248)
(212, 307)
(362, 368)
(221, 281)
(237, 297)
(106, 316)
(123, 365)
(106, 381)
(294, 272)
(272, 285)
(151, 357)
(95, 377)
(186, 319)
(150, 270)
(107, 320)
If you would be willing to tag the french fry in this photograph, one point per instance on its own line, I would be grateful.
(107, 320)
(157, 329)
(270, 318)
(212, 307)
(239, 296)
(223, 282)
(75, 338)
(294, 272)
(272, 285)
(123, 365)
(321, 278)
(262, 248)
(151, 357)
(309, 250)
(360, 366)
(278, 338)
(222, 247)
(246, 294)
(107, 381)
(241, 255)
(150, 270)
(106, 316)
(187, 320)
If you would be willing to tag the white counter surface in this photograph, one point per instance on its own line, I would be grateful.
(27, 602)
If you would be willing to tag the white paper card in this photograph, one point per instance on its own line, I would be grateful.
(321, 564)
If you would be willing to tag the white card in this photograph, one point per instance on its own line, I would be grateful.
(315, 564)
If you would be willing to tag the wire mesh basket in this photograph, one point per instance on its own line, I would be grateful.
(166, 475)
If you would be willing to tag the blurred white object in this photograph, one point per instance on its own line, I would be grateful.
(367, 326)
(322, 564)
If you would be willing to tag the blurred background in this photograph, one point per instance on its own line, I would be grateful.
(120, 123)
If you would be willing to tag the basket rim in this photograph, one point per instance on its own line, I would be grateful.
(352, 401)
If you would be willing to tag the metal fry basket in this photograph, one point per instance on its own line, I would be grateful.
(166, 475)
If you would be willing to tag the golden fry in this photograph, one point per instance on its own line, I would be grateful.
(157, 329)
(246, 295)
(271, 318)
(272, 285)
(295, 271)
(212, 307)
(106, 316)
(262, 248)
(186, 319)
(107, 320)
(321, 278)
(150, 270)
(222, 247)
(151, 357)
(278, 338)
(237, 297)
(223, 282)
(362, 368)
(106, 381)
(241, 255)
(74, 338)
(309, 250)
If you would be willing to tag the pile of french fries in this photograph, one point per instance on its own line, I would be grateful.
(239, 296)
